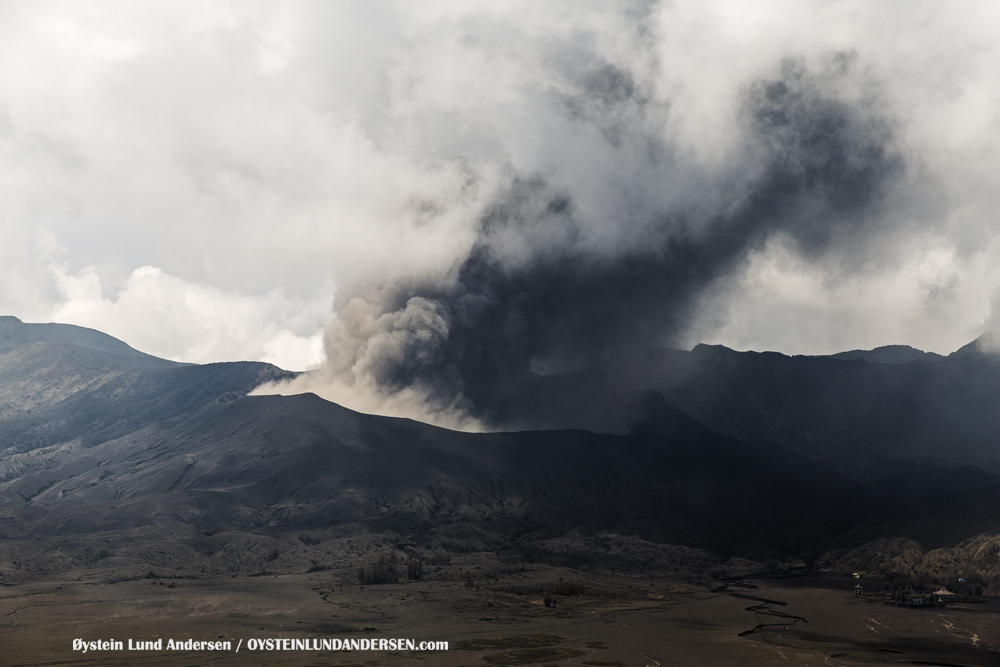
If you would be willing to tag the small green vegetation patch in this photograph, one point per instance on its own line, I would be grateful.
(526, 656)
(513, 641)
(596, 643)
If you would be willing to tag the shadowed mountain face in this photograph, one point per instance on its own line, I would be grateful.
(850, 410)
(95, 435)
(889, 354)
(887, 403)
(16, 334)
(60, 383)
(301, 461)
(102, 444)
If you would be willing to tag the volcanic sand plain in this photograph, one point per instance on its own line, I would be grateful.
(633, 619)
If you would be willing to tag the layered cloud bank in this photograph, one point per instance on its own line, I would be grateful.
(468, 194)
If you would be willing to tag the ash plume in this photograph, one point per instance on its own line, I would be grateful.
(546, 292)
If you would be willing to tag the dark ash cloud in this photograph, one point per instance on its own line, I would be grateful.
(535, 298)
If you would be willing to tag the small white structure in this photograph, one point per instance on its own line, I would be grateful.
(943, 595)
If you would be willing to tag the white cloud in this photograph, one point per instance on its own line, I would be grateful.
(783, 303)
(172, 318)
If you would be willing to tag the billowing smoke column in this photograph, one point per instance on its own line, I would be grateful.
(544, 294)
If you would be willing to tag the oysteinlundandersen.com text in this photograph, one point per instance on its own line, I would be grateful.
(254, 644)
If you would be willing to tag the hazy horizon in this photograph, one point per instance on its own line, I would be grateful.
(685, 349)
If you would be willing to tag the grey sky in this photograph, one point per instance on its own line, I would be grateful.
(203, 179)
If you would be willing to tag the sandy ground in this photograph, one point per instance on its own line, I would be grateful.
(620, 620)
